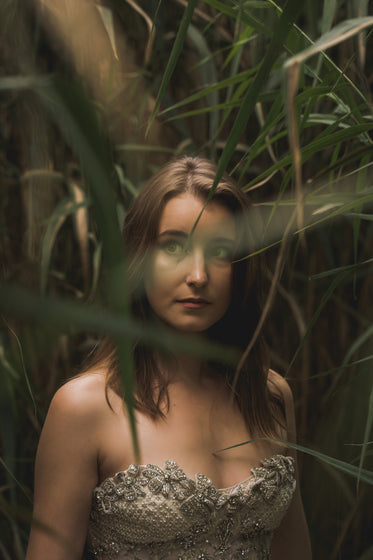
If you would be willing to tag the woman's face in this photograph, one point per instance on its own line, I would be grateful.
(189, 287)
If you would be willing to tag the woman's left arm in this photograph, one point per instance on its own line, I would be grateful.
(291, 540)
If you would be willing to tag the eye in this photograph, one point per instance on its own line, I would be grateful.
(173, 247)
(221, 252)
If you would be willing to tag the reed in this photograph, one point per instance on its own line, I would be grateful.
(279, 94)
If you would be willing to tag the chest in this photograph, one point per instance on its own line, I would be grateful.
(195, 432)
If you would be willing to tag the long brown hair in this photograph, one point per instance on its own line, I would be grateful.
(196, 176)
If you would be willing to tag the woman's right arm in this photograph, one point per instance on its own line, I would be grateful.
(65, 473)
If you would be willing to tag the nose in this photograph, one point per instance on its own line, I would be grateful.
(197, 272)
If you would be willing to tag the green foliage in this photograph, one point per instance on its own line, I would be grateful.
(280, 96)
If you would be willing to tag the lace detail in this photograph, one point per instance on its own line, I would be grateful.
(148, 512)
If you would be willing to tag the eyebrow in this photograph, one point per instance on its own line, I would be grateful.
(174, 232)
(184, 235)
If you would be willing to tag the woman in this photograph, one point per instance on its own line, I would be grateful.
(191, 279)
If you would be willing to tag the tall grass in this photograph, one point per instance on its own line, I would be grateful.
(280, 96)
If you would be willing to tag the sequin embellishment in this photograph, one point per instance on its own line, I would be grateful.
(153, 513)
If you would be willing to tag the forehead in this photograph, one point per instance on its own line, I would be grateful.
(181, 212)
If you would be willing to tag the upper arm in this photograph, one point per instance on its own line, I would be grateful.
(65, 474)
(281, 389)
(291, 539)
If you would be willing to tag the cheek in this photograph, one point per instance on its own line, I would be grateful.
(224, 286)
(228, 287)
(224, 278)
(159, 275)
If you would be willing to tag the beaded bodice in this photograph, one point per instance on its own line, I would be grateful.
(151, 513)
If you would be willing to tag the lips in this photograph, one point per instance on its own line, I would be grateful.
(194, 303)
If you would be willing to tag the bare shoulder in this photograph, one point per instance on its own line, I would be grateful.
(70, 432)
(281, 389)
(278, 385)
(83, 393)
(80, 404)
(66, 466)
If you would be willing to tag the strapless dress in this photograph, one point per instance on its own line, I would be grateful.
(149, 512)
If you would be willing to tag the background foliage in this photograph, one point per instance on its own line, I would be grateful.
(93, 98)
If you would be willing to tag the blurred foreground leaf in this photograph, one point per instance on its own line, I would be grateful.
(70, 315)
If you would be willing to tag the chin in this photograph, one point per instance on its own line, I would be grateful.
(190, 328)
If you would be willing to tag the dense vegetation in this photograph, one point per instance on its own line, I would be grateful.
(93, 98)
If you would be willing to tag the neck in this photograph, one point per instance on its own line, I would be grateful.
(184, 368)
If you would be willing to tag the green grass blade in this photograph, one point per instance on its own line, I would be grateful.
(236, 50)
(25, 374)
(367, 432)
(335, 283)
(351, 470)
(24, 490)
(347, 468)
(65, 208)
(368, 217)
(315, 146)
(329, 9)
(360, 341)
(362, 179)
(367, 555)
(246, 17)
(5, 556)
(174, 57)
(280, 32)
(77, 119)
(339, 33)
(204, 92)
(206, 110)
(96, 268)
(8, 423)
(208, 74)
(347, 365)
(339, 269)
(66, 314)
(368, 333)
